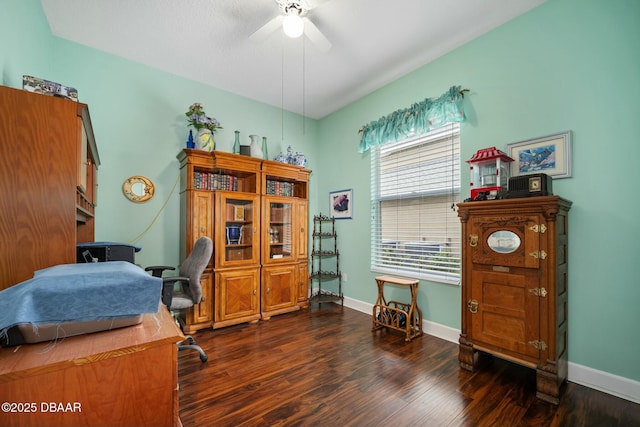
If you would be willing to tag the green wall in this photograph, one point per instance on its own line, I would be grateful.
(138, 118)
(566, 65)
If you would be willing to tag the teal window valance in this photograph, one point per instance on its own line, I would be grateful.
(420, 118)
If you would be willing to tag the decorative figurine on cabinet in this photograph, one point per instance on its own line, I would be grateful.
(489, 173)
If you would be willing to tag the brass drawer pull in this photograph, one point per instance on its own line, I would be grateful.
(538, 254)
(473, 306)
(539, 292)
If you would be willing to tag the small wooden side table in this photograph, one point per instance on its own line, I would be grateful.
(397, 315)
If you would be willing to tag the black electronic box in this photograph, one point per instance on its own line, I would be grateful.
(537, 184)
(105, 251)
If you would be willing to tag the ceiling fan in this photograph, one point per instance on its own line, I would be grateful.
(294, 22)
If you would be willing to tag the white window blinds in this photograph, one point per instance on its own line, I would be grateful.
(415, 183)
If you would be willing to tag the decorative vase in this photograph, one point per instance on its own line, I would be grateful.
(256, 151)
(190, 142)
(290, 159)
(204, 140)
(300, 159)
(233, 234)
(264, 148)
(236, 143)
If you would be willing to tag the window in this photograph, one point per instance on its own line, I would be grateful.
(415, 183)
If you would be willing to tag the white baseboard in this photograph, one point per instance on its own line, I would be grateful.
(599, 380)
(603, 381)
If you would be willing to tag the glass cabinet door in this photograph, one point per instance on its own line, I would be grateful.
(279, 230)
(238, 233)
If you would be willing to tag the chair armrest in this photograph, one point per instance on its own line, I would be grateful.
(167, 288)
(157, 270)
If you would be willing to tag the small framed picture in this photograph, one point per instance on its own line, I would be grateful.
(341, 204)
(548, 154)
(238, 213)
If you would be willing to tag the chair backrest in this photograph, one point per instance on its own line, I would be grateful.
(194, 265)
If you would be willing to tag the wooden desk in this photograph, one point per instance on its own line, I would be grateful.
(123, 377)
(404, 317)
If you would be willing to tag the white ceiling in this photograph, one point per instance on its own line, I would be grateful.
(373, 42)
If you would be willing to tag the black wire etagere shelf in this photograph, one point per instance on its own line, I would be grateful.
(323, 283)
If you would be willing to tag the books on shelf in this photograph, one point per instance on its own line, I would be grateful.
(203, 180)
(214, 181)
(279, 188)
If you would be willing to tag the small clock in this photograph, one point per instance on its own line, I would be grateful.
(535, 183)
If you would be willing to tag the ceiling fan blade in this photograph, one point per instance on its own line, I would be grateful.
(263, 32)
(316, 36)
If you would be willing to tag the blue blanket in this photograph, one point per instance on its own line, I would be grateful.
(79, 293)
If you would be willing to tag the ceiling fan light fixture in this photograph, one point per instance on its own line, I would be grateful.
(292, 25)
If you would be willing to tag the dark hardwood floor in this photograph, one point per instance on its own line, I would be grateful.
(324, 367)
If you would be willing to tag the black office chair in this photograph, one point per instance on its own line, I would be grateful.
(190, 290)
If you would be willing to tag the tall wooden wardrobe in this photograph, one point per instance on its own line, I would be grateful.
(48, 182)
(255, 211)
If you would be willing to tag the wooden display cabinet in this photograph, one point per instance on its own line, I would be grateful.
(218, 191)
(48, 182)
(237, 258)
(514, 286)
(237, 201)
(285, 237)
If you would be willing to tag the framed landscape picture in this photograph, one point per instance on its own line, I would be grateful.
(548, 154)
(341, 204)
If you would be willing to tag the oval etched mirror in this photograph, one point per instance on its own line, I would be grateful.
(503, 241)
(138, 188)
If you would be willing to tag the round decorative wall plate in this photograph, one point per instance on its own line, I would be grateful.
(138, 188)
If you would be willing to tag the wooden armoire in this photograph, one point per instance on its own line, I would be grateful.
(514, 286)
(48, 182)
(256, 213)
